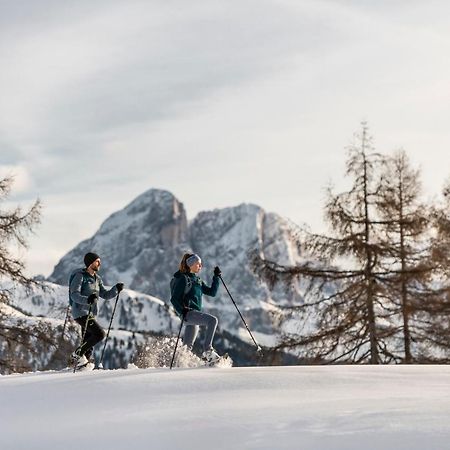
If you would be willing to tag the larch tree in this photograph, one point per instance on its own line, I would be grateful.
(17, 341)
(406, 269)
(342, 292)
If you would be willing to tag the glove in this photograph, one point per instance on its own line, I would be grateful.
(92, 299)
(217, 271)
(119, 287)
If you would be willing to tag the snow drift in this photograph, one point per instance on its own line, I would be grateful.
(266, 408)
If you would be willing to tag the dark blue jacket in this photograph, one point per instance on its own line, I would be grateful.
(193, 298)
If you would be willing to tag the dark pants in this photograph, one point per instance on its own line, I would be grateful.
(94, 334)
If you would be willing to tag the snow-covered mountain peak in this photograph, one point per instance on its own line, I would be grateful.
(149, 231)
(154, 202)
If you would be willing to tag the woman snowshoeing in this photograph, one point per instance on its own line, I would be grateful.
(186, 298)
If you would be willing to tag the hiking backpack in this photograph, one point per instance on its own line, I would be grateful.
(187, 287)
(72, 276)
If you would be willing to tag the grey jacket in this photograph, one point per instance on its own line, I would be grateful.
(81, 286)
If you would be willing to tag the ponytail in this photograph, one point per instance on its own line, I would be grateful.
(184, 268)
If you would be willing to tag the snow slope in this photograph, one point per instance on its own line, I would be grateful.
(273, 408)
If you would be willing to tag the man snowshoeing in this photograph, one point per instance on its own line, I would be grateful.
(85, 287)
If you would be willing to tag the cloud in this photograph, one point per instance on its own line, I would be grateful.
(254, 100)
(121, 65)
(82, 79)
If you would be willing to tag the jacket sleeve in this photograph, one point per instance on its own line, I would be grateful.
(211, 291)
(75, 290)
(104, 293)
(178, 297)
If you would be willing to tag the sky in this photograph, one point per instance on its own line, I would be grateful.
(218, 102)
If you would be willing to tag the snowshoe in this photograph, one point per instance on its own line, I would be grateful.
(85, 367)
(222, 361)
(75, 358)
(210, 356)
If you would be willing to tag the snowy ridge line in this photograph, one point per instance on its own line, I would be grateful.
(136, 311)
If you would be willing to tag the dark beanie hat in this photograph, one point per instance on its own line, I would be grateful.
(89, 258)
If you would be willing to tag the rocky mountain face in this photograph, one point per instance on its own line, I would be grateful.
(142, 245)
(226, 237)
(139, 245)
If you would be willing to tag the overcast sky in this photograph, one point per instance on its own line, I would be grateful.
(218, 102)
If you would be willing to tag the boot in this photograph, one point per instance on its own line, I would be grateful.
(211, 356)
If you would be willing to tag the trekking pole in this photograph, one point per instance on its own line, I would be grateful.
(178, 338)
(109, 329)
(84, 333)
(258, 348)
(65, 323)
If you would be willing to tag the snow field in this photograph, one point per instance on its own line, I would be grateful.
(302, 407)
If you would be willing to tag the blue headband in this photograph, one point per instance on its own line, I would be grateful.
(192, 260)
